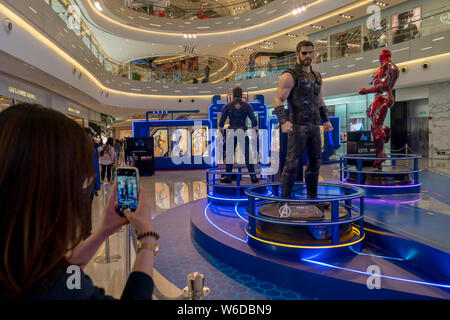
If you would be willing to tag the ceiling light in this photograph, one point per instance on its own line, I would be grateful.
(299, 9)
(346, 16)
(98, 6)
(381, 4)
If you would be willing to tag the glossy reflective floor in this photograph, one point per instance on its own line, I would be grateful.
(165, 190)
(169, 189)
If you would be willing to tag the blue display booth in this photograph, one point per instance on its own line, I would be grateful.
(178, 144)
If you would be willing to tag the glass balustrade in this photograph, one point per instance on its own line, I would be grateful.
(190, 10)
(350, 42)
(355, 41)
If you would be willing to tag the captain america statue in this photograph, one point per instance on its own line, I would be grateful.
(237, 112)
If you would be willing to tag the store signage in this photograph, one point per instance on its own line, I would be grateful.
(74, 110)
(22, 93)
(141, 62)
(445, 18)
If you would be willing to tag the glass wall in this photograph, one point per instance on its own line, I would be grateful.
(321, 50)
(194, 9)
(397, 26)
(375, 37)
(351, 111)
(346, 43)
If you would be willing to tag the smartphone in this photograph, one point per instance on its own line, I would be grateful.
(127, 188)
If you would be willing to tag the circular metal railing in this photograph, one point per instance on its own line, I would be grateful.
(235, 191)
(338, 195)
(353, 165)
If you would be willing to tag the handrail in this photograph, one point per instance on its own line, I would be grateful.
(175, 12)
(308, 223)
(276, 67)
(358, 192)
(369, 156)
(329, 52)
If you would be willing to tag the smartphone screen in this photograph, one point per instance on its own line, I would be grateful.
(127, 189)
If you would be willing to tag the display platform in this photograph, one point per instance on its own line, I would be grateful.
(222, 233)
(301, 227)
(406, 241)
(391, 178)
(298, 235)
(337, 263)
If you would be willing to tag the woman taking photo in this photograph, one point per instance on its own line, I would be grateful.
(46, 178)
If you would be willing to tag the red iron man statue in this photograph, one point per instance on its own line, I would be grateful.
(382, 83)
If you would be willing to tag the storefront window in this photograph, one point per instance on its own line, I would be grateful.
(59, 6)
(5, 103)
(406, 25)
(375, 36)
(78, 120)
(320, 50)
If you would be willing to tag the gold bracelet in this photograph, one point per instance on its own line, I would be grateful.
(154, 247)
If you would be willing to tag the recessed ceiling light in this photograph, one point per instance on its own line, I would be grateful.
(98, 6)
(299, 10)
(381, 4)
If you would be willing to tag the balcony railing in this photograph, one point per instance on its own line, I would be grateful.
(433, 40)
(432, 22)
(67, 11)
(183, 9)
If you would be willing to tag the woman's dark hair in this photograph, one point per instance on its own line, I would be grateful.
(46, 177)
(110, 141)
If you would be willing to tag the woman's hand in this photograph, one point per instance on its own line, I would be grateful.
(141, 218)
(112, 221)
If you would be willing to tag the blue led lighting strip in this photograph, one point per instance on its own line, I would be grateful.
(226, 199)
(212, 223)
(381, 275)
(376, 256)
(236, 210)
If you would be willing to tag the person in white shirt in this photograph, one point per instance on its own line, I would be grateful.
(107, 159)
